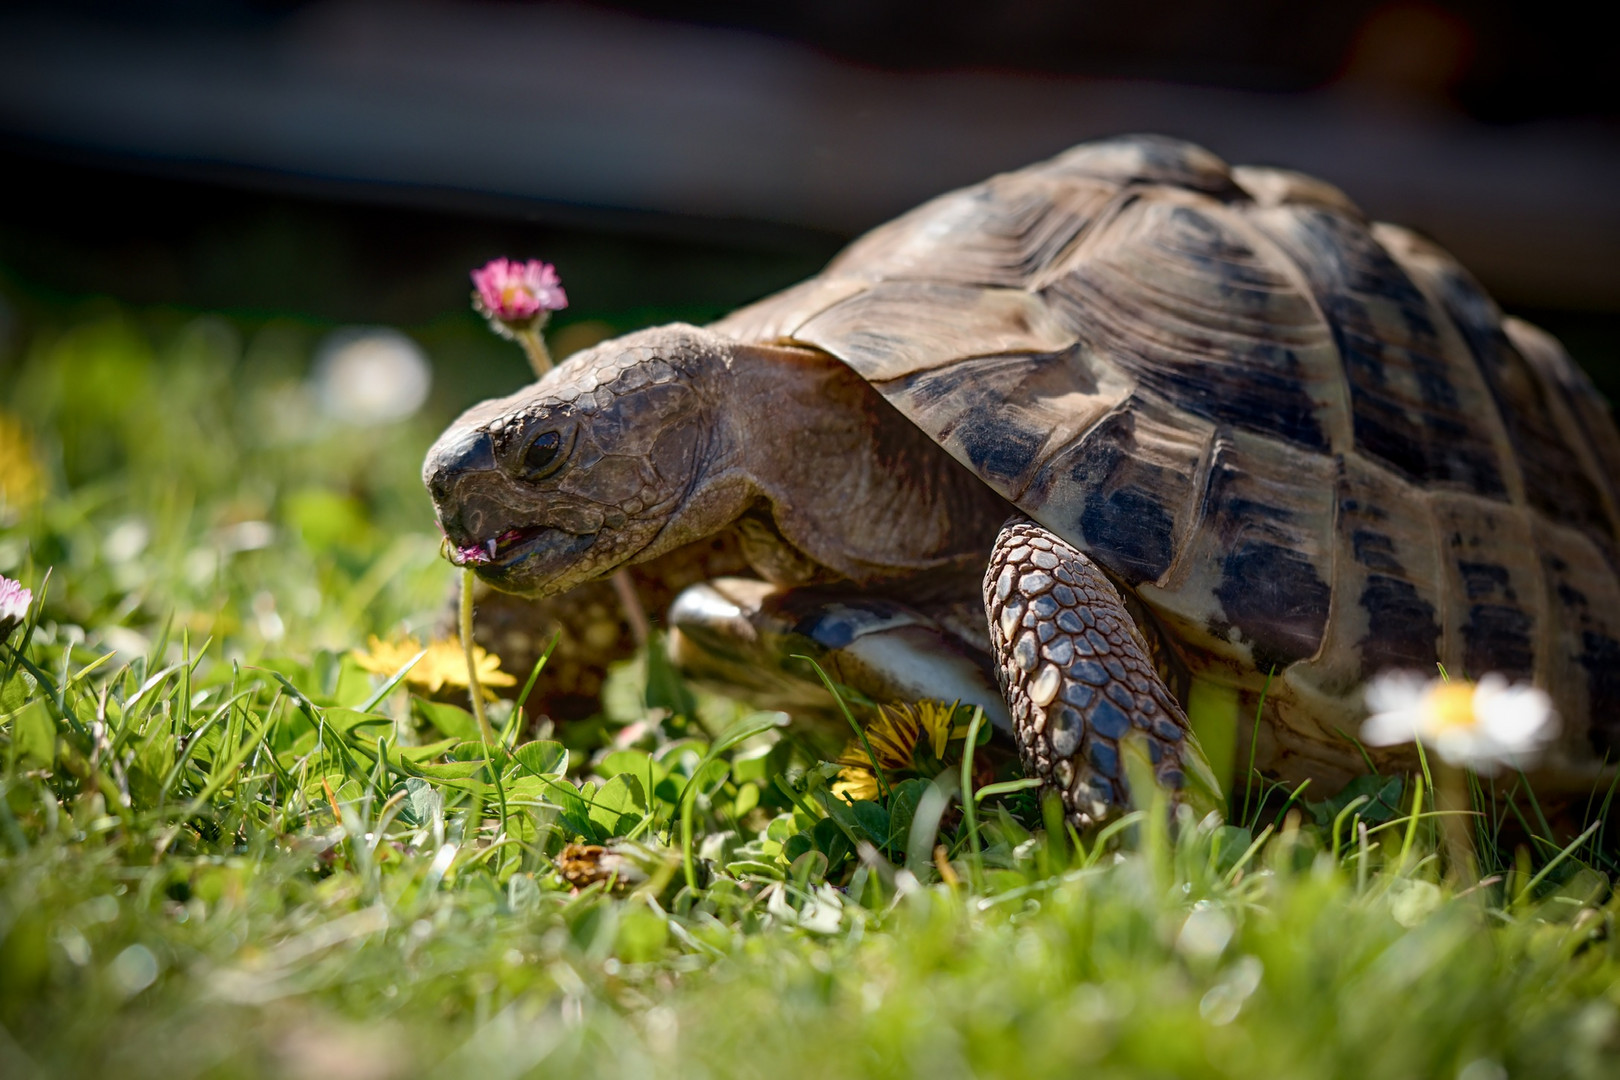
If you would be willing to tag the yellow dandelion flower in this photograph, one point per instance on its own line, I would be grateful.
(856, 784)
(908, 739)
(892, 736)
(22, 478)
(386, 657)
(444, 665)
(937, 720)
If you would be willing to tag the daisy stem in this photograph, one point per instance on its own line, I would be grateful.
(474, 690)
(1452, 801)
(534, 347)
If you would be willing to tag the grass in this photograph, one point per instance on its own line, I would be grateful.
(227, 850)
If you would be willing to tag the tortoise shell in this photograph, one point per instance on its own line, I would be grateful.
(1309, 445)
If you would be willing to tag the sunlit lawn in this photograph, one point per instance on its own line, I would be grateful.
(228, 849)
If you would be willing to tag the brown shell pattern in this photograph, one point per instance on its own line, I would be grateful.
(1307, 443)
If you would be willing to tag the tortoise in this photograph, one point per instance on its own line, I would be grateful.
(1119, 433)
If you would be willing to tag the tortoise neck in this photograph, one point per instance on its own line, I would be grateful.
(843, 485)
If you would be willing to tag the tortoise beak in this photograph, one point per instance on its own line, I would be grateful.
(458, 461)
(455, 454)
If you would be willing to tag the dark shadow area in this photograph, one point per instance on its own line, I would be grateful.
(349, 160)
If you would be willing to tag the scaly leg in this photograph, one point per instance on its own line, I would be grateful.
(1079, 678)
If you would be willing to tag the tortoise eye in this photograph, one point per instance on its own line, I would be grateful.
(541, 455)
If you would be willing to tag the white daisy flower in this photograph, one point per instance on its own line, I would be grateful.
(1480, 726)
(14, 601)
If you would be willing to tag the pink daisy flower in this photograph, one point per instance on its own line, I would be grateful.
(515, 292)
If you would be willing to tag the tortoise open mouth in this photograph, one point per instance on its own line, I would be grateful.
(504, 549)
(527, 560)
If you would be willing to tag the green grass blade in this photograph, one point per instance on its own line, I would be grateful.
(1254, 746)
(969, 803)
(534, 674)
(382, 692)
(743, 730)
(1006, 787)
(849, 717)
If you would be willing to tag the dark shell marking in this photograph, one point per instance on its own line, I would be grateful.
(1075, 670)
(1303, 441)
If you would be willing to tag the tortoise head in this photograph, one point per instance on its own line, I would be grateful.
(583, 470)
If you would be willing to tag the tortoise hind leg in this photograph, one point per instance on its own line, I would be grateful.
(1078, 677)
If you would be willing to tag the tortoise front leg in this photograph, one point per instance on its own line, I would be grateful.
(1078, 677)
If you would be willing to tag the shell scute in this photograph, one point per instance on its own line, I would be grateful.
(1413, 407)
(1495, 583)
(1584, 609)
(1145, 159)
(771, 321)
(1556, 481)
(1121, 488)
(1584, 421)
(1252, 581)
(1003, 415)
(1172, 292)
(1283, 187)
(998, 233)
(899, 328)
(1388, 531)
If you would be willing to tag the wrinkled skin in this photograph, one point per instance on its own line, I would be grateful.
(570, 483)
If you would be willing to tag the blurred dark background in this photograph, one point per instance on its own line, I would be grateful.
(347, 161)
